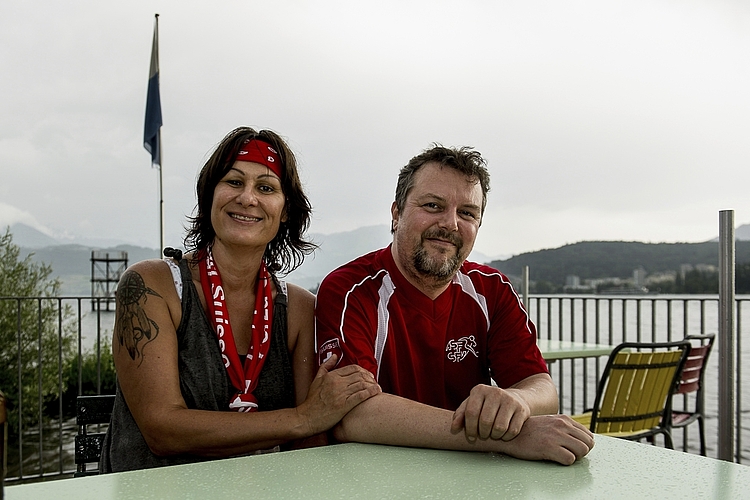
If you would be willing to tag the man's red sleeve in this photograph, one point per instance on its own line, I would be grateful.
(344, 323)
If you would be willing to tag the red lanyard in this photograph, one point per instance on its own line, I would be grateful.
(245, 380)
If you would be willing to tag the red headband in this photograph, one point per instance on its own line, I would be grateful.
(258, 151)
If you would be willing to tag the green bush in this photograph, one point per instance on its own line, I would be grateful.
(36, 336)
(97, 377)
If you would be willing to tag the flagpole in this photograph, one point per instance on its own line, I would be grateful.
(153, 123)
(161, 198)
(161, 168)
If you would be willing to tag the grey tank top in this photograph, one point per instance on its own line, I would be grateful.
(204, 381)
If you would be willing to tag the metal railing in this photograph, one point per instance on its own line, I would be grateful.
(615, 319)
(54, 349)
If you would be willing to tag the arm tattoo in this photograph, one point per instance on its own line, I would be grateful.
(133, 326)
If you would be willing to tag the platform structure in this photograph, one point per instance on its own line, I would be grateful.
(106, 269)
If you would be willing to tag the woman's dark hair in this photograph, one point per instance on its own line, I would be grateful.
(288, 248)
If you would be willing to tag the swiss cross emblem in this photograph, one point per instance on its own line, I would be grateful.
(328, 349)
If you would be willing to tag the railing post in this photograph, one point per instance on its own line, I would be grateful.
(525, 286)
(3, 444)
(726, 339)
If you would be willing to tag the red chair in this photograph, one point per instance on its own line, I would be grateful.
(691, 382)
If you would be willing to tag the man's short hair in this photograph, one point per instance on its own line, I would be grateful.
(465, 159)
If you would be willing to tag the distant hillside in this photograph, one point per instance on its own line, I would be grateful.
(76, 259)
(337, 249)
(72, 263)
(740, 233)
(27, 237)
(588, 260)
(604, 259)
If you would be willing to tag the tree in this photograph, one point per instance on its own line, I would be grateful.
(742, 277)
(697, 281)
(36, 335)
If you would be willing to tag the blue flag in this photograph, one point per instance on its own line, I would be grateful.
(151, 135)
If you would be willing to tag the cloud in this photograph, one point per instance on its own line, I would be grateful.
(598, 119)
(10, 215)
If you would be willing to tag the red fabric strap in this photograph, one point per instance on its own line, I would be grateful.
(245, 381)
(258, 151)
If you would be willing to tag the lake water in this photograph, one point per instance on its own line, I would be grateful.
(648, 319)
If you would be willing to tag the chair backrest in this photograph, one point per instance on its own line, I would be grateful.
(91, 410)
(634, 390)
(691, 379)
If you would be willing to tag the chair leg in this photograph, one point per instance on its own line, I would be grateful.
(702, 432)
(667, 439)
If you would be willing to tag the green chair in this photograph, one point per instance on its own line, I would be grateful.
(633, 399)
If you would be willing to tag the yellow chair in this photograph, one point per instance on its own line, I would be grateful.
(633, 398)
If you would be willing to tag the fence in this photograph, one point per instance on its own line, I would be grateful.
(55, 349)
(612, 320)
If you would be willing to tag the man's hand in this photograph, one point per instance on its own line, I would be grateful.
(491, 412)
(558, 438)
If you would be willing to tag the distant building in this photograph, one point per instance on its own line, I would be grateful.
(664, 277)
(639, 277)
(573, 285)
(703, 268)
(684, 269)
(706, 268)
(572, 281)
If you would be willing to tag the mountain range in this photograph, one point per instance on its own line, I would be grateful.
(617, 259)
(71, 263)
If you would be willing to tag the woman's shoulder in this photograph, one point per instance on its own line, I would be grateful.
(300, 316)
(154, 274)
(150, 268)
(299, 297)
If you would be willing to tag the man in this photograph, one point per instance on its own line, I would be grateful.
(434, 328)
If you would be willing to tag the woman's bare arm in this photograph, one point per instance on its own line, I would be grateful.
(145, 353)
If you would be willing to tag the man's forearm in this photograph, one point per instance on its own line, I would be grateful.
(539, 393)
(393, 420)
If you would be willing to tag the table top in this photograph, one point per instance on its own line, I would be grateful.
(613, 469)
(565, 349)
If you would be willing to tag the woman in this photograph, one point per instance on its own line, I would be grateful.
(214, 355)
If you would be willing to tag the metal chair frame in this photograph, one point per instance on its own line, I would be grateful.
(91, 410)
(633, 399)
(691, 382)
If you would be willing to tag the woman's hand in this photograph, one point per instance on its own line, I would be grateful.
(333, 393)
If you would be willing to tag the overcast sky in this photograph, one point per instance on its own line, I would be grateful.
(600, 120)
